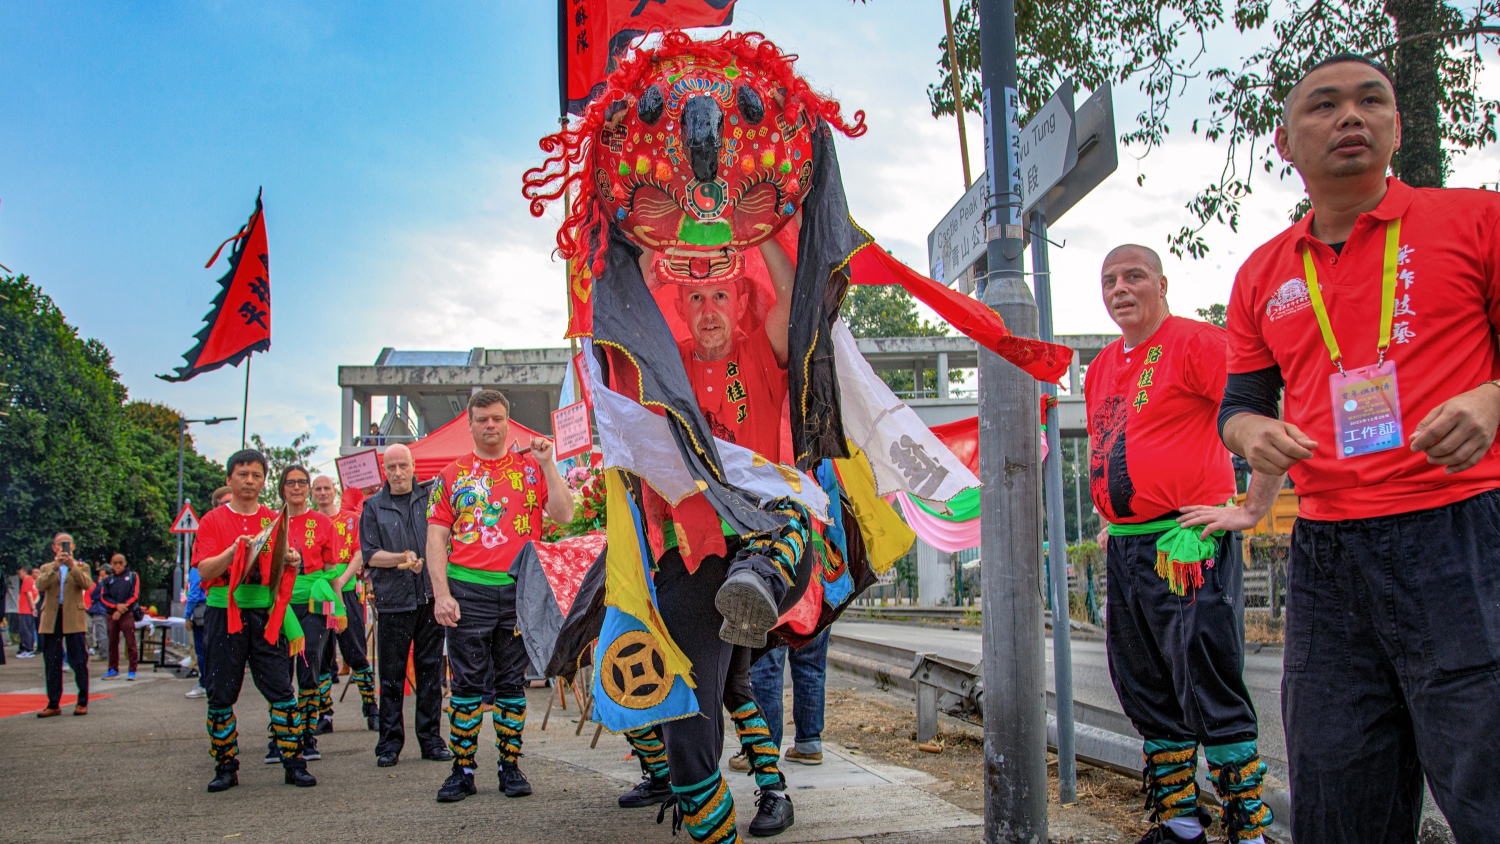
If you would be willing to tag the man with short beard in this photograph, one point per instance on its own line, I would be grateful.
(1378, 311)
(393, 539)
(350, 641)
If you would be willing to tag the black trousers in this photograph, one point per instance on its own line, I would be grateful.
(309, 663)
(686, 602)
(227, 655)
(419, 633)
(737, 689)
(486, 654)
(351, 642)
(1177, 661)
(1392, 672)
(53, 645)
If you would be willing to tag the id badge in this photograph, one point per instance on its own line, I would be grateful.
(1366, 409)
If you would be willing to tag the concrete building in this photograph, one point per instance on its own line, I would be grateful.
(421, 390)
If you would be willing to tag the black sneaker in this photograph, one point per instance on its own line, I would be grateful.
(325, 725)
(748, 609)
(438, 754)
(299, 777)
(273, 754)
(1163, 834)
(649, 792)
(387, 760)
(457, 786)
(310, 749)
(223, 781)
(773, 814)
(513, 782)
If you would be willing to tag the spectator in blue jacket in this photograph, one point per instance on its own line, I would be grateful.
(194, 612)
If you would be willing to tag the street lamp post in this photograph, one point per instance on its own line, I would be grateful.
(179, 576)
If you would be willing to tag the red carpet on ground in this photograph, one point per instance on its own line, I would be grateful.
(24, 704)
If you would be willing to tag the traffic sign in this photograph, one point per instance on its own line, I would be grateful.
(959, 239)
(1098, 154)
(1047, 148)
(187, 520)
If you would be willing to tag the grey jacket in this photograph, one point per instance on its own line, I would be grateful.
(385, 525)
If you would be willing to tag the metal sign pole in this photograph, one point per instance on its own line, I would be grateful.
(1015, 703)
(1057, 534)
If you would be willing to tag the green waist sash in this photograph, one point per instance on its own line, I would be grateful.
(254, 597)
(479, 576)
(338, 571)
(1180, 553)
(315, 590)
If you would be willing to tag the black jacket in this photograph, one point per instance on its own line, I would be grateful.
(386, 525)
(120, 590)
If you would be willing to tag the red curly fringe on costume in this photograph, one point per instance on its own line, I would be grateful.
(582, 232)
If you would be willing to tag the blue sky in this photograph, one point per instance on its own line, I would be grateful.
(390, 139)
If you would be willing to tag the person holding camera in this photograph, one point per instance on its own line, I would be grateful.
(63, 583)
(121, 596)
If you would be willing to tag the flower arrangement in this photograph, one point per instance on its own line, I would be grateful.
(586, 480)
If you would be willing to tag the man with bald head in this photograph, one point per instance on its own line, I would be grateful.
(1378, 313)
(392, 543)
(1157, 474)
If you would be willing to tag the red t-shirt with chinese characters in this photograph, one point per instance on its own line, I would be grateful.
(1153, 432)
(219, 528)
(312, 534)
(346, 535)
(741, 396)
(492, 507)
(1447, 311)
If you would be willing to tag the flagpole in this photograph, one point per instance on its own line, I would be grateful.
(245, 412)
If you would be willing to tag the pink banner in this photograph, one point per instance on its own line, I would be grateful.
(938, 532)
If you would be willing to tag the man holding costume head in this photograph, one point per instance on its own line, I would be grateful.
(484, 507)
(350, 642)
(268, 635)
(1378, 312)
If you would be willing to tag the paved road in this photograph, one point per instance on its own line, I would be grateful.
(1091, 683)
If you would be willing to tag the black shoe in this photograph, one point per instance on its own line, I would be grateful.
(223, 781)
(748, 609)
(438, 754)
(300, 778)
(1163, 834)
(649, 792)
(310, 749)
(513, 782)
(325, 725)
(457, 786)
(387, 760)
(273, 753)
(773, 814)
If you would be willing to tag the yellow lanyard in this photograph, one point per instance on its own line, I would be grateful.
(1387, 294)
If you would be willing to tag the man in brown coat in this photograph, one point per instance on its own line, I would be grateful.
(63, 583)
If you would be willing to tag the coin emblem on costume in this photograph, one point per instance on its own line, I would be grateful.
(634, 671)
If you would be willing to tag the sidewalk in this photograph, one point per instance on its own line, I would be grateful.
(143, 752)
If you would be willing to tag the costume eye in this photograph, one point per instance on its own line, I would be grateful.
(650, 105)
(751, 107)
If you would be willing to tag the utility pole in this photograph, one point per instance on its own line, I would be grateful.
(1015, 703)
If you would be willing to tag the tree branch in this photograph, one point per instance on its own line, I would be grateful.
(1482, 29)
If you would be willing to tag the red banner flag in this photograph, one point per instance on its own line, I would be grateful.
(592, 33)
(240, 322)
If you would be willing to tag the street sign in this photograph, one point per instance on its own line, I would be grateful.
(959, 240)
(187, 520)
(1047, 149)
(1098, 155)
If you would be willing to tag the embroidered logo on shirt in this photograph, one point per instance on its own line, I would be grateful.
(1289, 299)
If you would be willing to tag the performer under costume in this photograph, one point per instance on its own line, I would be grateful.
(1175, 645)
(350, 641)
(320, 612)
(492, 507)
(247, 624)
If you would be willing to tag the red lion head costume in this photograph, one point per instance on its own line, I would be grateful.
(697, 150)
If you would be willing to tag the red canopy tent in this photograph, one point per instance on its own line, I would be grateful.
(453, 440)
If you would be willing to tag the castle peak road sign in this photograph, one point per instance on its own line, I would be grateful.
(1047, 148)
(959, 239)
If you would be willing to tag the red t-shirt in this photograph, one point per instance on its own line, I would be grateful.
(219, 528)
(1153, 435)
(741, 395)
(312, 535)
(493, 507)
(346, 535)
(1442, 340)
(28, 590)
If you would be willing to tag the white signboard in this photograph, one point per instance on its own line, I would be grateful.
(959, 239)
(360, 470)
(1047, 151)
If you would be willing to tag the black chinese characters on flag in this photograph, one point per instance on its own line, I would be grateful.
(240, 322)
(591, 32)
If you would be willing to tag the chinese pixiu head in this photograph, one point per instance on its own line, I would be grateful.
(697, 150)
